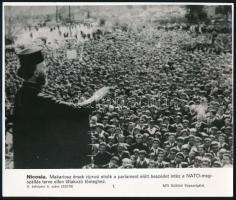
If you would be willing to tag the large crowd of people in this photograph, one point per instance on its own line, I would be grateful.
(170, 105)
(57, 33)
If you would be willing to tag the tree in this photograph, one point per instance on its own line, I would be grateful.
(102, 22)
(224, 10)
(195, 13)
(11, 28)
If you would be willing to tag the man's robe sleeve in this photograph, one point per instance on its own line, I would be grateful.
(67, 132)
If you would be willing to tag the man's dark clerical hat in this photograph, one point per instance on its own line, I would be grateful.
(29, 58)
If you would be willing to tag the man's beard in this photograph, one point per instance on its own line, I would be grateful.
(41, 79)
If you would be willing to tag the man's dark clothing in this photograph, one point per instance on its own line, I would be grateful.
(139, 146)
(142, 164)
(47, 132)
(102, 158)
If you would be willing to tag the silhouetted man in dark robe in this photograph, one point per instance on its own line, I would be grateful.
(48, 133)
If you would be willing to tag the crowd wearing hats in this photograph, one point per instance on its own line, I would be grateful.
(169, 106)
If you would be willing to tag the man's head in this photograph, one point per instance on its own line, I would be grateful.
(179, 127)
(120, 147)
(139, 138)
(222, 152)
(150, 141)
(221, 138)
(121, 138)
(142, 154)
(216, 164)
(185, 123)
(32, 65)
(171, 137)
(114, 160)
(178, 119)
(206, 163)
(166, 120)
(191, 140)
(197, 141)
(197, 161)
(93, 121)
(152, 164)
(99, 127)
(185, 149)
(110, 140)
(193, 131)
(129, 139)
(173, 152)
(156, 143)
(207, 142)
(127, 163)
(160, 157)
(102, 147)
(179, 157)
(214, 146)
(226, 159)
(136, 153)
(180, 141)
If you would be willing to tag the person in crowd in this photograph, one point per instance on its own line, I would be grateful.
(113, 163)
(103, 156)
(126, 164)
(143, 161)
(155, 149)
(206, 163)
(197, 162)
(226, 161)
(160, 163)
(139, 143)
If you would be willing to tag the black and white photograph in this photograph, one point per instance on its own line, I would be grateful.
(118, 86)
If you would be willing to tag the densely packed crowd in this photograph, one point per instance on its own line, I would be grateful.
(169, 106)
